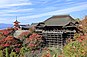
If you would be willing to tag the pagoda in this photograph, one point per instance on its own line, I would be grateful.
(16, 24)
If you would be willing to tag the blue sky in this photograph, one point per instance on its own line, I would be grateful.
(33, 11)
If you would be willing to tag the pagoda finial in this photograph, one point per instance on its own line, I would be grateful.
(16, 18)
(16, 21)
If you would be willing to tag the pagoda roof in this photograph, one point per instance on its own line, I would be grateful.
(16, 21)
(59, 20)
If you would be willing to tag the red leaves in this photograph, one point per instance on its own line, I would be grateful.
(9, 41)
(17, 50)
(34, 40)
(6, 45)
(31, 45)
(5, 32)
(81, 38)
(35, 36)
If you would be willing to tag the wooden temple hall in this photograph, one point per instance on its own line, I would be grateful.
(57, 29)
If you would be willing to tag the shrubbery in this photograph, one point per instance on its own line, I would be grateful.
(76, 48)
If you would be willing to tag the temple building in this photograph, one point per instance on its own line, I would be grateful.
(25, 27)
(57, 29)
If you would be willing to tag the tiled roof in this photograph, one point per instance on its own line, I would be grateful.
(59, 20)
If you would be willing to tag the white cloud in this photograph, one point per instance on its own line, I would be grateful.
(68, 0)
(67, 10)
(15, 4)
(15, 10)
(11, 3)
(21, 4)
(57, 12)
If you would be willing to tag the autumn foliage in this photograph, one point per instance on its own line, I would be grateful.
(24, 35)
(10, 41)
(6, 32)
(34, 41)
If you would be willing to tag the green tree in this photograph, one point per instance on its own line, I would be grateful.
(13, 54)
(7, 53)
(1, 53)
(23, 51)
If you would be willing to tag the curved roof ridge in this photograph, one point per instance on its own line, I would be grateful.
(62, 15)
